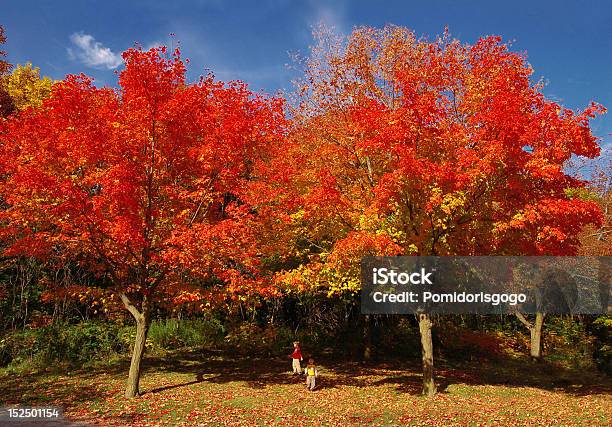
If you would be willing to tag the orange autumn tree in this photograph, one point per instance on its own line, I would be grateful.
(142, 184)
(411, 147)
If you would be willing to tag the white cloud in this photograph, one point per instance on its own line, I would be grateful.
(152, 45)
(92, 53)
(331, 15)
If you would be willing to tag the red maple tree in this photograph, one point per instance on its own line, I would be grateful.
(142, 183)
(411, 147)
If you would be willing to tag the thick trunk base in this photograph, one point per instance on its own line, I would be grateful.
(132, 388)
(536, 338)
(429, 385)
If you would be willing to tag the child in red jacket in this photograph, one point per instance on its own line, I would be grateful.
(296, 356)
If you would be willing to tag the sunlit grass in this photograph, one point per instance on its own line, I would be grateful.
(193, 388)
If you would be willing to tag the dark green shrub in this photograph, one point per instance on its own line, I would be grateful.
(162, 334)
(200, 332)
(61, 343)
(602, 353)
(567, 342)
(173, 333)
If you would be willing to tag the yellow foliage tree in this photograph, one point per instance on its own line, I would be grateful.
(25, 86)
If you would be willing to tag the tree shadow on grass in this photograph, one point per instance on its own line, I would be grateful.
(260, 373)
(405, 375)
(510, 373)
(218, 367)
(513, 373)
(256, 373)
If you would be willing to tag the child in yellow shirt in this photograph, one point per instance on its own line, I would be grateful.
(311, 374)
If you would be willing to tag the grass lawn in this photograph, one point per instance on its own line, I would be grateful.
(193, 388)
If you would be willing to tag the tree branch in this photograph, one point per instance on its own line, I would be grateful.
(523, 320)
(130, 307)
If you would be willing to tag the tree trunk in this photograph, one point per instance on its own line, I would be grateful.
(535, 331)
(367, 351)
(429, 386)
(603, 277)
(142, 328)
(536, 337)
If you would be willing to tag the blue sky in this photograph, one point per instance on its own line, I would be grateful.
(569, 43)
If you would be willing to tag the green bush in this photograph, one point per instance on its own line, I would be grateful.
(92, 341)
(173, 333)
(602, 353)
(567, 342)
(200, 332)
(61, 343)
(162, 334)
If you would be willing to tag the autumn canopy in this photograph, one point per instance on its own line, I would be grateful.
(395, 146)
